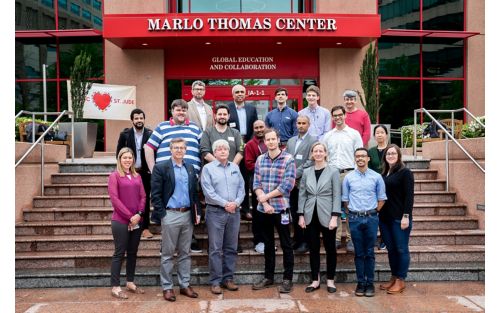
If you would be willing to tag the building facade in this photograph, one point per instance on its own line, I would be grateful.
(428, 51)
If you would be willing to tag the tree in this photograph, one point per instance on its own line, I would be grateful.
(80, 85)
(368, 75)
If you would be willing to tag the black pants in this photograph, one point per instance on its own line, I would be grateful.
(269, 222)
(146, 182)
(299, 235)
(245, 205)
(314, 229)
(256, 218)
(124, 241)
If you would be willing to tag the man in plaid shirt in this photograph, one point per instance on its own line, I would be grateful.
(274, 178)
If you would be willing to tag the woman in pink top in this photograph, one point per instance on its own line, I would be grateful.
(128, 199)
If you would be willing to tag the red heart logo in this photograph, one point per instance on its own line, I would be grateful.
(101, 101)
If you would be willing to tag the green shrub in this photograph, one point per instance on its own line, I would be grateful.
(473, 129)
(407, 133)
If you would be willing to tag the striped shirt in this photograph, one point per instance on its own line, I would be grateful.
(275, 174)
(168, 130)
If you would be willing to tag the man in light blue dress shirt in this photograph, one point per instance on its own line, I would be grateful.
(363, 193)
(321, 121)
(224, 190)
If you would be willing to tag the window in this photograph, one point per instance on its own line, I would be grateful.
(397, 107)
(399, 57)
(30, 56)
(402, 14)
(86, 15)
(443, 14)
(98, 21)
(245, 6)
(443, 57)
(48, 3)
(97, 5)
(63, 4)
(75, 8)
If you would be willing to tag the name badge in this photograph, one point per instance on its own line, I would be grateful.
(232, 124)
(230, 138)
(298, 156)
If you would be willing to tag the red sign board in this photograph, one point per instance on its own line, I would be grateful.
(242, 63)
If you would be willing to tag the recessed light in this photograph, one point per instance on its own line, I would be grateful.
(208, 43)
(145, 44)
(339, 43)
(279, 43)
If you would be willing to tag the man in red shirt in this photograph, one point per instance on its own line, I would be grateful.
(355, 118)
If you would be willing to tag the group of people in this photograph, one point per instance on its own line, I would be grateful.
(293, 167)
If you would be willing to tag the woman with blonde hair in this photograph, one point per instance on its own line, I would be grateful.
(319, 207)
(128, 199)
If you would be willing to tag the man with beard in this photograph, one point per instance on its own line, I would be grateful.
(253, 149)
(222, 131)
(135, 138)
(199, 111)
(242, 116)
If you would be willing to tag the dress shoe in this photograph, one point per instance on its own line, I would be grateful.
(216, 290)
(369, 290)
(286, 286)
(331, 289)
(311, 288)
(169, 295)
(388, 284)
(263, 283)
(189, 292)
(397, 287)
(360, 290)
(147, 234)
(302, 248)
(349, 247)
(195, 248)
(229, 285)
(338, 244)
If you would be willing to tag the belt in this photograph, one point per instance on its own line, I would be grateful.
(345, 170)
(216, 206)
(364, 213)
(182, 210)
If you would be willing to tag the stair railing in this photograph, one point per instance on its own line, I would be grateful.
(41, 140)
(449, 135)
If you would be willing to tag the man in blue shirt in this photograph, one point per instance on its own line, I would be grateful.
(363, 193)
(223, 187)
(320, 119)
(174, 194)
(282, 118)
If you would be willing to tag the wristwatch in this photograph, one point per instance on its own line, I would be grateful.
(140, 213)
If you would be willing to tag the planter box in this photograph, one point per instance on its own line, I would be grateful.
(84, 138)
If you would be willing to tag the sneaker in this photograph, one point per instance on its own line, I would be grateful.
(303, 248)
(338, 244)
(259, 248)
(382, 246)
(286, 286)
(262, 284)
(360, 290)
(195, 248)
(369, 290)
(349, 247)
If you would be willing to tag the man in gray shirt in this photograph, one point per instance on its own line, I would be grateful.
(224, 190)
(221, 130)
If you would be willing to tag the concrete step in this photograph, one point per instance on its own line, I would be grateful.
(419, 174)
(439, 209)
(430, 185)
(103, 227)
(71, 201)
(149, 276)
(87, 189)
(151, 258)
(80, 178)
(434, 197)
(42, 243)
(101, 165)
(417, 163)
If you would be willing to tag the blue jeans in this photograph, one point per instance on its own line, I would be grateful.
(396, 241)
(223, 228)
(364, 236)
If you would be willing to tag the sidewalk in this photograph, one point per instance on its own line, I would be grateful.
(418, 297)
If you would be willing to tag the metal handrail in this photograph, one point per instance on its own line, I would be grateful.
(448, 136)
(42, 139)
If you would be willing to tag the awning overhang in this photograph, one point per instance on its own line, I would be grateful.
(143, 31)
(428, 33)
(58, 33)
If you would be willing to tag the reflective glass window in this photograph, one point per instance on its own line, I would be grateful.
(399, 57)
(443, 14)
(97, 4)
(86, 15)
(241, 6)
(444, 95)
(400, 14)
(443, 57)
(75, 9)
(30, 55)
(62, 4)
(35, 15)
(29, 96)
(68, 52)
(81, 15)
(398, 98)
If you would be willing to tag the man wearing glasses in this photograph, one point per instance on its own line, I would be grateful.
(200, 112)
(341, 142)
(363, 194)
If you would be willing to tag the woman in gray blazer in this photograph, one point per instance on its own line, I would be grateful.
(319, 207)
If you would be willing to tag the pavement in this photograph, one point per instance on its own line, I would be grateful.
(418, 297)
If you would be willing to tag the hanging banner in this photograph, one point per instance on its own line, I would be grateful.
(109, 102)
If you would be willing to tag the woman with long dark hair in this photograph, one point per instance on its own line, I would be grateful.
(128, 199)
(395, 217)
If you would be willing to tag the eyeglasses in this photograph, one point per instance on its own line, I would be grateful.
(337, 115)
(178, 148)
(199, 89)
(391, 153)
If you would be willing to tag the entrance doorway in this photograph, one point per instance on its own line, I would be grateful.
(260, 92)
